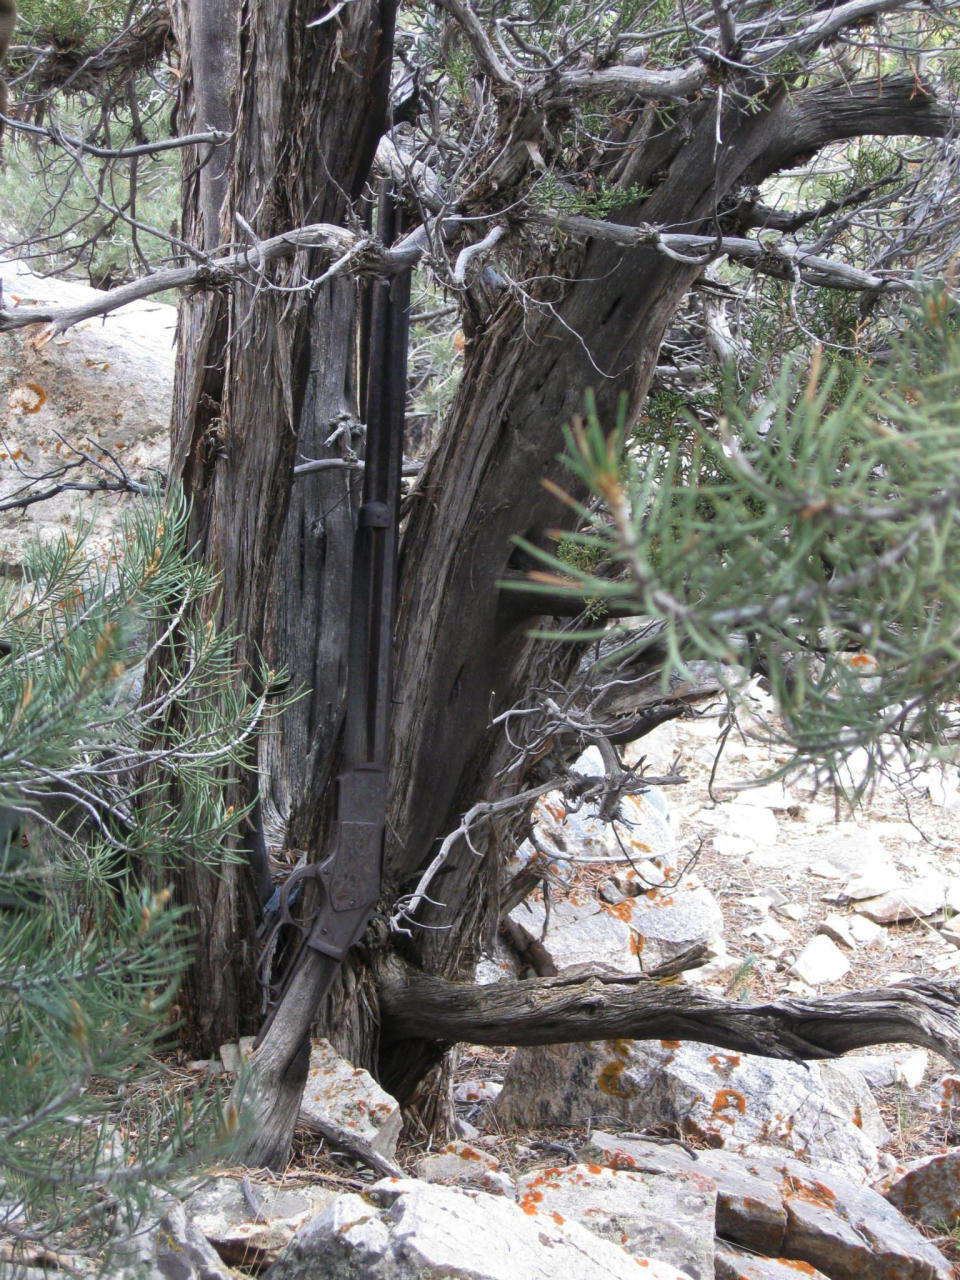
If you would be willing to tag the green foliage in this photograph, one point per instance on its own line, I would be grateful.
(91, 947)
(598, 200)
(815, 540)
(71, 23)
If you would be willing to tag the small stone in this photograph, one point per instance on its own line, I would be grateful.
(790, 911)
(821, 961)
(233, 1054)
(609, 891)
(871, 884)
(950, 931)
(835, 927)
(476, 1090)
(943, 964)
(768, 931)
(460, 1164)
(865, 930)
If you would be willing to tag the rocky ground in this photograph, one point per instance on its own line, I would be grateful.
(691, 1160)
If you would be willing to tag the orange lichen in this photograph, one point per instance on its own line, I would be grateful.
(529, 1202)
(670, 1044)
(622, 910)
(608, 1081)
(809, 1190)
(857, 1117)
(637, 943)
(558, 1218)
(726, 1098)
(724, 1062)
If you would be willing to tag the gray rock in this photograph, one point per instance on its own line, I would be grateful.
(570, 836)
(734, 1264)
(820, 962)
(922, 899)
(464, 1165)
(928, 1191)
(669, 1216)
(582, 930)
(847, 1231)
(836, 928)
(870, 883)
(881, 1070)
(851, 1232)
(670, 921)
(235, 1053)
(409, 1230)
(476, 1090)
(721, 1098)
(247, 1220)
(350, 1097)
(168, 1247)
(749, 1210)
(864, 930)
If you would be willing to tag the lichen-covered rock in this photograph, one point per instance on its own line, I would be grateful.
(667, 1215)
(350, 1097)
(166, 1247)
(737, 1101)
(248, 1221)
(793, 1211)
(461, 1164)
(734, 1264)
(410, 1230)
(928, 1191)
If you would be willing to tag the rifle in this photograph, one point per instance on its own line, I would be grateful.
(348, 879)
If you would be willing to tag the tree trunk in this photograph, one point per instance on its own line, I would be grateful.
(264, 375)
(463, 656)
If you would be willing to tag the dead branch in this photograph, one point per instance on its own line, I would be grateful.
(603, 1007)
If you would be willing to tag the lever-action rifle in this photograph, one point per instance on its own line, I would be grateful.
(348, 879)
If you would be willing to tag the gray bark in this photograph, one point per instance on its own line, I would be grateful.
(563, 1010)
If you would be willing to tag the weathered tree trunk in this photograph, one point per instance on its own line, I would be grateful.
(265, 375)
(463, 658)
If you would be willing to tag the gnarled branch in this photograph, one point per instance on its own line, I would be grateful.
(563, 1010)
